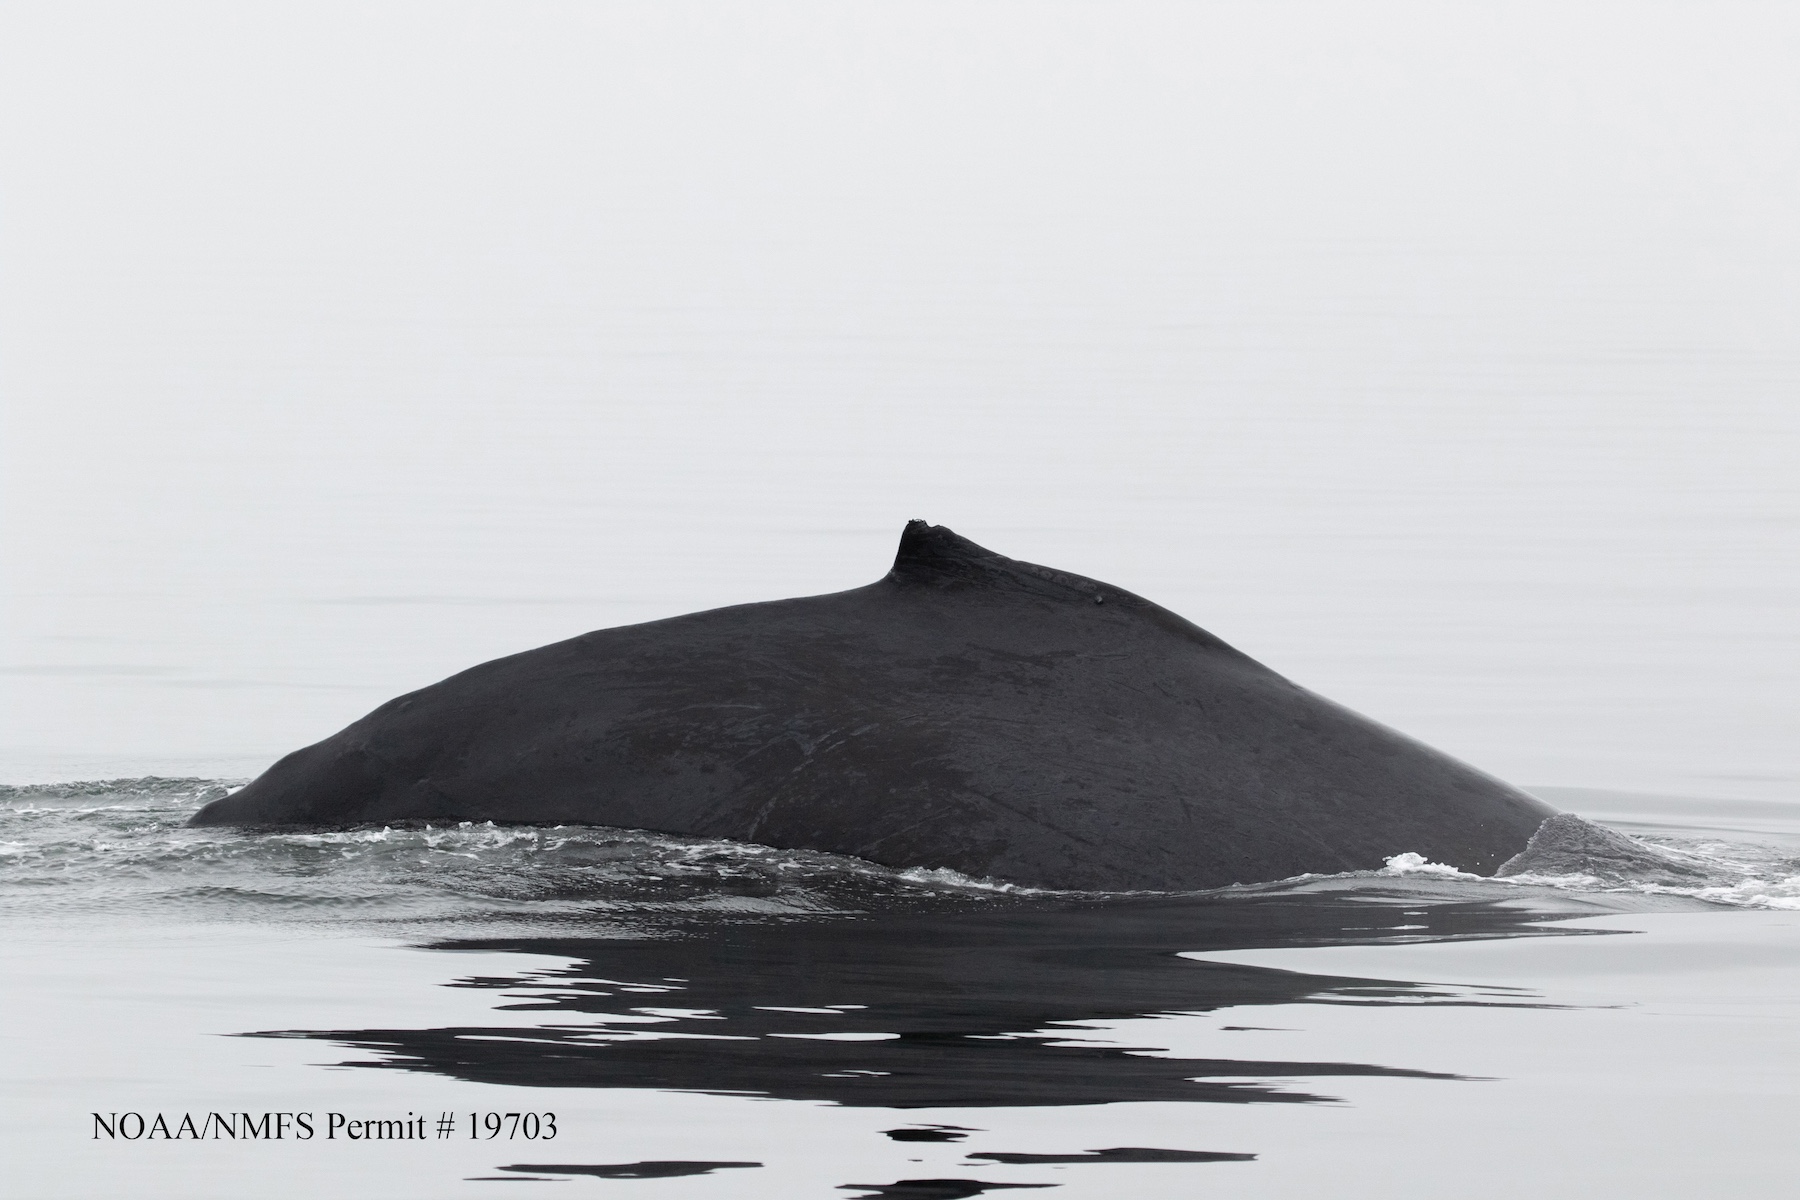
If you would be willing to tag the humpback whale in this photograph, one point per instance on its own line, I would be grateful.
(967, 711)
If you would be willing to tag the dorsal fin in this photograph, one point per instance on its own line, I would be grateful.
(927, 549)
(936, 555)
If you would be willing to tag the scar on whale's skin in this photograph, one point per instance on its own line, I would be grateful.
(967, 711)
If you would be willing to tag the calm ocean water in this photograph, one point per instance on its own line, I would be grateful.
(1445, 359)
(683, 1017)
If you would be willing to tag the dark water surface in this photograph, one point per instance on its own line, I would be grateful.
(965, 1009)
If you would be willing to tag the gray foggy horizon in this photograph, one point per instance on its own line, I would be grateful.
(1444, 358)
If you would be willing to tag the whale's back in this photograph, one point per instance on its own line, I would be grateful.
(966, 711)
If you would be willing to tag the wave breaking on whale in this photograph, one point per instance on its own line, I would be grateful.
(127, 844)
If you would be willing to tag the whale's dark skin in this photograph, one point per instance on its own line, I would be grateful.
(966, 711)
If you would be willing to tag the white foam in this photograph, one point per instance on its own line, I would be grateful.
(1416, 864)
(945, 877)
(1757, 893)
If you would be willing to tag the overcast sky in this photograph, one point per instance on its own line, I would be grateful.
(1442, 355)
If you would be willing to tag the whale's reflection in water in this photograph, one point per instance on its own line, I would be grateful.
(998, 1004)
